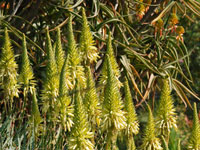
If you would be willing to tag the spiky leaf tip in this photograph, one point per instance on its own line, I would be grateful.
(150, 141)
(8, 69)
(65, 106)
(112, 112)
(80, 135)
(113, 62)
(87, 44)
(59, 53)
(194, 140)
(91, 100)
(132, 121)
(51, 83)
(26, 77)
(166, 116)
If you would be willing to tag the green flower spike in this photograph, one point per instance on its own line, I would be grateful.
(75, 69)
(132, 121)
(66, 109)
(150, 142)
(91, 100)
(26, 77)
(113, 117)
(87, 48)
(51, 84)
(35, 119)
(113, 62)
(59, 53)
(80, 135)
(194, 140)
(8, 70)
(166, 116)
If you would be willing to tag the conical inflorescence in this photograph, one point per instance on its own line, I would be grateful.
(59, 53)
(194, 140)
(51, 83)
(166, 116)
(65, 107)
(150, 141)
(75, 70)
(26, 77)
(91, 100)
(113, 62)
(113, 117)
(132, 121)
(8, 70)
(80, 135)
(87, 48)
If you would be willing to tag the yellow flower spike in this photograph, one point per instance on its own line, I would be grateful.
(166, 116)
(194, 140)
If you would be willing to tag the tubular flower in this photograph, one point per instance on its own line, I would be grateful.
(65, 107)
(8, 70)
(166, 116)
(26, 75)
(80, 135)
(51, 84)
(194, 140)
(150, 141)
(132, 121)
(89, 51)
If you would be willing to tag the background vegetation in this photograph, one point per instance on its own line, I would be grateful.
(145, 41)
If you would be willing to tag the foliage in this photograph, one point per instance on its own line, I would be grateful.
(146, 41)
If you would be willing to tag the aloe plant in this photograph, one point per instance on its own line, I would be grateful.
(35, 118)
(51, 83)
(8, 71)
(59, 53)
(65, 106)
(26, 76)
(113, 116)
(194, 140)
(132, 121)
(113, 62)
(87, 43)
(91, 101)
(150, 141)
(75, 69)
(166, 116)
(80, 135)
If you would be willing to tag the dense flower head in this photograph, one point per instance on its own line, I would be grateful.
(166, 116)
(150, 141)
(112, 113)
(194, 140)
